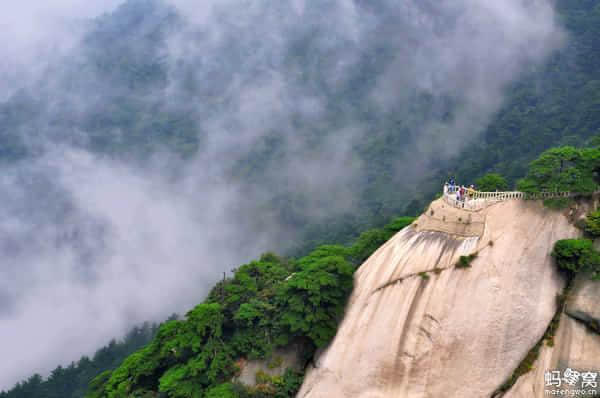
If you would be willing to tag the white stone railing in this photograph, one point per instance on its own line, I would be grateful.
(467, 204)
(519, 195)
(480, 200)
(498, 195)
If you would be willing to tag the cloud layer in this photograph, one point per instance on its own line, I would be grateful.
(278, 101)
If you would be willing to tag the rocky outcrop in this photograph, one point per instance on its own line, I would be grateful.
(441, 217)
(576, 343)
(274, 365)
(416, 326)
(584, 302)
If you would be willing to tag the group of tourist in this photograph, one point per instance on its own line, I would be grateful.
(462, 192)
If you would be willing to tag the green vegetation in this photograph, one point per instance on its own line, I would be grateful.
(272, 386)
(225, 390)
(592, 224)
(577, 255)
(72, 381)
(371, 240)
(268, 303)
(563, 169)
(561, 300)
(275, 362)
(465, 261)
(555, 105)
(491, 182)
(525, 366)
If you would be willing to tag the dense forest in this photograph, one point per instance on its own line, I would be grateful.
(268, 303)
(275, 302)
(73, 381)
(557, 105)
(122, 61)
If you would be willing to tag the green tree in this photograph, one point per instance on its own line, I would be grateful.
(225, 390)
(372, 239)
(592, 223)
(268, 303)
(314, 298)
(563, 169)
(74, 380)
(576, 255)
(491, 182)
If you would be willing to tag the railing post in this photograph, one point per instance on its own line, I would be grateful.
(481, 200)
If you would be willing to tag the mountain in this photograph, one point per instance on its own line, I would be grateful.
(465, 300)
(268, 127)
(145, 100)
(557, 105)
(418, 325)
(262, 325)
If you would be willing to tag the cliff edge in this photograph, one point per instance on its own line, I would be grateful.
(418, 326)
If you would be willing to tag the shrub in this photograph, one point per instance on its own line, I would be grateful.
(312, 300)
(262, 377)
(558, 203)
(226, 390)
(398, 224)
(371, 240)
(275, 362)
(592, 223)
(563, 169)
(576, 255)
(491, 182)
(465, 261)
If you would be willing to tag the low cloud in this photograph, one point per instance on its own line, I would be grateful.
(93, 243)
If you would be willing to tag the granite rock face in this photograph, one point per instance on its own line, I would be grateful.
(416, 326)
(584, 301)
(275, 365)
(576, 343)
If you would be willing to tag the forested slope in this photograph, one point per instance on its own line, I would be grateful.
(268, 303)
(73, 381)
(557, 105)
(123, 62)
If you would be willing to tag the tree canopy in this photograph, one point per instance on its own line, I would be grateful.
(563, 169)
(577, 255)
(268, 303)
(491, 182)
(73, 380)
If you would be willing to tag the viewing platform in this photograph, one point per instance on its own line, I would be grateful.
(477, 200)
(465, 215)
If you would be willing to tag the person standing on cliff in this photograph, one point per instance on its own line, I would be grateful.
(471, 191)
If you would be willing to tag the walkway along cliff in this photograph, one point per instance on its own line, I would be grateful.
(418, 326)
